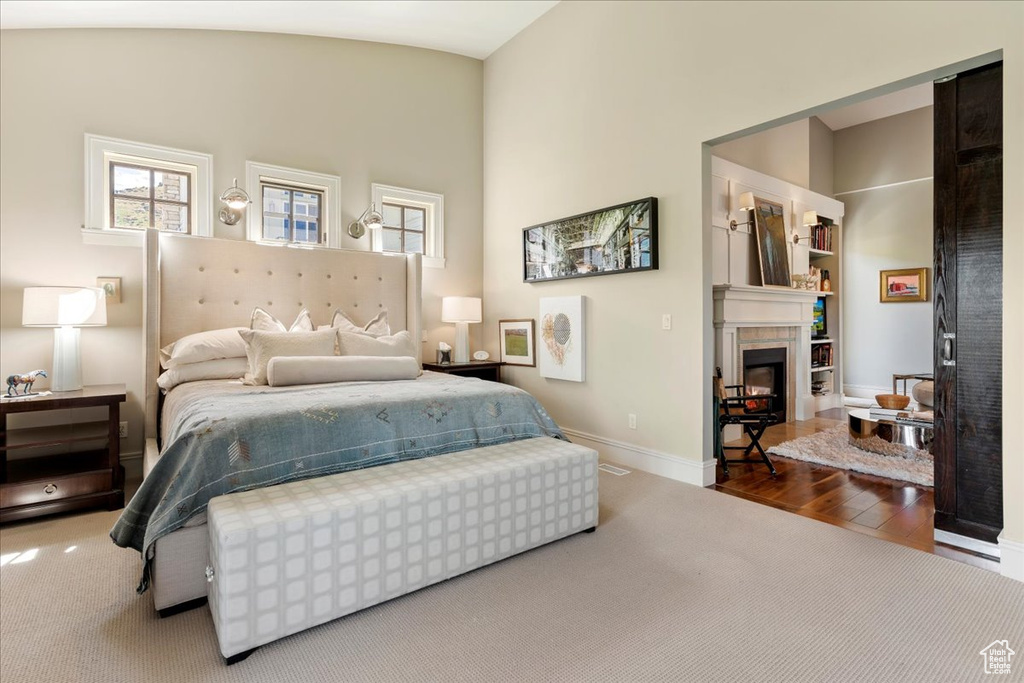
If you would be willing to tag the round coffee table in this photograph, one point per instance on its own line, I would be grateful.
(889, 437)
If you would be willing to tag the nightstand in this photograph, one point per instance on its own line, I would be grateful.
(482, 369)
(34, 485)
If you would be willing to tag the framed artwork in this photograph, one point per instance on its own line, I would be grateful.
(562, 349)
(112, 287)
(618, 239)
(517, 338)
(906, 285)
(772, 244)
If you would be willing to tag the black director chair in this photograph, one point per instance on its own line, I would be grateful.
(755, 413)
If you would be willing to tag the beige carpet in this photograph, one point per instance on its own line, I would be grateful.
(678, 584)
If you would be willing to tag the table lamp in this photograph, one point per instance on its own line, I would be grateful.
(461, 310)
(65, 309)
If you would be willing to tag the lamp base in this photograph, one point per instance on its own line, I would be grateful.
(67, 359)
(461, 343)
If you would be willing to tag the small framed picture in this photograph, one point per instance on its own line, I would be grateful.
(112, 286)
(906, 285)
(517, 341)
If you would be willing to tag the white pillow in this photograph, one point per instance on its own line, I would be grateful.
(263, 321)
(283, 372)
(378, 327)
(222, 368)
(352, 344)
(261, 346)
(203, 346)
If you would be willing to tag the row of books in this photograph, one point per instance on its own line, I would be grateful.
(821, 356)
(821, 237)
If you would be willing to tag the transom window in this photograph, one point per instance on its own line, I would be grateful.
(150, 197)
(404, 228)
(292, 214)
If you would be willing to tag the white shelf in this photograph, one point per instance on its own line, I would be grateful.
(819, 253)
(821, 341)
(827, 367)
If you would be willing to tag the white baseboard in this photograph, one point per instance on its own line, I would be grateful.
(696, 472)
(864, 391)
(132, 463)
(1011, 558)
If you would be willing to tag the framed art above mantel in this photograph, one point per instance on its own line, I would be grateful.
(617, 239)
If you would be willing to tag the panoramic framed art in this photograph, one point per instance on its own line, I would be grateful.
(907, 285)
(516, 338)
(772, 245)
(561, 350)
(617, 239)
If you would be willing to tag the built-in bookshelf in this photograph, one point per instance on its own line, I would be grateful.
(823, 259)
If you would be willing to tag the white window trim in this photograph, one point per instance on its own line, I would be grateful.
(330, 185)
(99, 150)
(433, 203)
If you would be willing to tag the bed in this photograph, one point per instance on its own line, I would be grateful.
(195, 284)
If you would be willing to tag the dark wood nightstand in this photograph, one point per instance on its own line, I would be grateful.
(31, 486)
(482, 369)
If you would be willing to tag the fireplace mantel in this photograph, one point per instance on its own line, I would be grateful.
(753, 306)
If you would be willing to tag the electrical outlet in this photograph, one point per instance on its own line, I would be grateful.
(632, 421)
(122, 430)
(666, 321)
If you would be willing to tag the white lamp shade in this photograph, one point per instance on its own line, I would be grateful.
(64, 306)
(810, 217)
(746, 201)
(461, 309)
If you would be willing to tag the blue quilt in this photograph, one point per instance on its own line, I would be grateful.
(221, 437)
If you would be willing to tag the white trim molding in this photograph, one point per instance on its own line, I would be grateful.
(100, 151)
(696, 472)
(1011, 558)
(330, 185)
(433, 203)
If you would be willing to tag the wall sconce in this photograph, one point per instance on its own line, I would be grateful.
(236, 199)
(746, 204)
(810, 219)
(370, 220)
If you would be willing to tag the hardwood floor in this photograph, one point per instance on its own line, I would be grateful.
(892, 510)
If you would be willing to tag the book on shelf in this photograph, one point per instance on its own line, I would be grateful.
(821, 237)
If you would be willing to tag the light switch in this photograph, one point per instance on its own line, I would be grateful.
(666, 321)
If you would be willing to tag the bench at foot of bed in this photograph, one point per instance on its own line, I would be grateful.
(290, 557)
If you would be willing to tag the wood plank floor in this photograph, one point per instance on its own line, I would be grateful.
(892, 510)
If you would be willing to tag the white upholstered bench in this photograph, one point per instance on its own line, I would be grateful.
(287, 558)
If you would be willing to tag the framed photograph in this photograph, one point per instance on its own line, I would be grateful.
(618, 239)
(517, 339)
(772, 243)
(907, 285)
(562, 348)
(112, 286)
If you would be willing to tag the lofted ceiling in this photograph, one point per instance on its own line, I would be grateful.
(894, 103)
(472, 28)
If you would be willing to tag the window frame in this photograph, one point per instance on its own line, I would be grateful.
(153, 201)
(328, 186)
(433, 229)
(292, 189)
(403, 208)
(101, 152)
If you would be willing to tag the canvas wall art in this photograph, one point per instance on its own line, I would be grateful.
(617, 239)
(516, 338)
(772, 243)
(561, 346)
(906, 285)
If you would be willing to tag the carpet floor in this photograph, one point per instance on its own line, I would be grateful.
(678, 584)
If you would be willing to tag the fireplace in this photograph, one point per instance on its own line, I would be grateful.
(764, 372)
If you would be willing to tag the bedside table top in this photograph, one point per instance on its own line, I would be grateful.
(89, 395)
(463, 366)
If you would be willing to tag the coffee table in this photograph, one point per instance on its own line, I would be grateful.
(889, 437)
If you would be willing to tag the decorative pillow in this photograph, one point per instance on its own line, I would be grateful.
(203, 346)
(283, 372)
(261, 346)
(378, 327)
(352, 344)
(263, 321)
(222, 368)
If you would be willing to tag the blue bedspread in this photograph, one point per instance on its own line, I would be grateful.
(222, 437)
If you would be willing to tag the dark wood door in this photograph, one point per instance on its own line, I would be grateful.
(968, 303)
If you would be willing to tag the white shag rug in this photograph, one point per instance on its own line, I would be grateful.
(831, 447)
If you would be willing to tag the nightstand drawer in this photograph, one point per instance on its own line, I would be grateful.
(57, 488)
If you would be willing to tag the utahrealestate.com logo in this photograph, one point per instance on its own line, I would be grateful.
(998, 656)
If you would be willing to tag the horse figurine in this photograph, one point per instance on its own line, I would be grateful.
(28, 379)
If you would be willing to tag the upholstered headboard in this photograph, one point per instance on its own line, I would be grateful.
(193, 284)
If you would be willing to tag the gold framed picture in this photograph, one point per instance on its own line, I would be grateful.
(908, 285)
(112, 287)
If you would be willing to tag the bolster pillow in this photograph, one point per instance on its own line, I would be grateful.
(285, 371)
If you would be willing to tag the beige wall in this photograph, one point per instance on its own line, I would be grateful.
(368, 112)
(599, 103)
(781, 152)
(820, 161)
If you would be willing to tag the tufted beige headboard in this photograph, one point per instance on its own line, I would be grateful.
(193, 284)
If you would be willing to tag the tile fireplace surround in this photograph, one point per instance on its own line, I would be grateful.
(749, 317)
